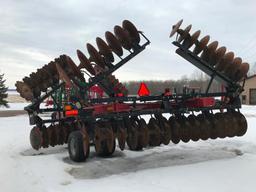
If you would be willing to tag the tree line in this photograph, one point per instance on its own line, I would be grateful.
(157, 87)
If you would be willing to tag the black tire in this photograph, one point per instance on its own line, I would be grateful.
(105, 152)
(75, 146)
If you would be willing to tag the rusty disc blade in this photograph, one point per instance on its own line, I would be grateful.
(221, 123)
(232, 125)
(57, 130)
(121, 137)
(166, 132)
(184, 129)
(74, 67)
(113, 43)
(28, 81)
(46, 76)
(43, 83)
(132, 30)
(123, 36)
(143, 132)
(52, 135)
(226, 125)
(242, 124)
(98, 138)
(132, 134)
(49, 70)
(231, 69)
(105, 50)
(245, 69)
(205, 128)
(213, 46)
(175, 127)
(217, 56)
(195, 132)
(184, 33)
(235, 123)
(36, 139)
(201, 45)
(70, 70)
(213, 124)
(85, 63)
(190, 40)
(52, 67)
(43, 74)
(95, 56)
(24, 90)
(209, 50)
(36, 91)
(175, 28)
(110, 139)
(242, 72)
(225, 61)
(35, 78)
(104, 139)
(45, 142)
(154, 132)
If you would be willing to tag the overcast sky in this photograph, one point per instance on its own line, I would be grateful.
(32, 33)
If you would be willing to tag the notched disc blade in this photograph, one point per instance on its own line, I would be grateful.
(154, 133)
(184, 33)
(209, 50)
(189, 41)
(123, 36)
(110, 139)
(36, 138)
(225, 61)
(113, 43)
(201, 44)
(74, 67)
(24, 90)
(132, 134)
(121, 138)
(217, 56)
(144, 133)
(175, 28)
(35, 78)
(245, 69)
(95, 56)
(233, 67)
(175, 127)
(242, 72)
(85, 63)
(213, 46)
(132, 30)
(105, 50)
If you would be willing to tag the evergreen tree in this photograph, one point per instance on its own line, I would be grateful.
(3, 92)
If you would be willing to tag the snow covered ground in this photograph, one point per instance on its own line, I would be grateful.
(14, 106)
(213, 165)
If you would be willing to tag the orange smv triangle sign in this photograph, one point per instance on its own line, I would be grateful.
(143, 90)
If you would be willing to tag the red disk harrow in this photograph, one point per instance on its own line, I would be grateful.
(90, 106)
